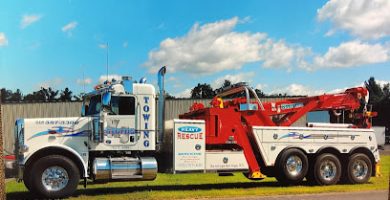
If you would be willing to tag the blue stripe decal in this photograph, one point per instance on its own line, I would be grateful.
(61, 131)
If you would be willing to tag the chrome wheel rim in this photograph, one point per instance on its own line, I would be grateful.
(55, 178)
(360, 169)
(294, 165)
(328, 170)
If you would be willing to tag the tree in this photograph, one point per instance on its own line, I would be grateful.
(169, 96)
(226, 83)
(259, 93)
(37, 96)
(202, 91)
(5, 94)
(66, 95)
(380, 101)
(376, 93)
(16, 96)
(50, 94)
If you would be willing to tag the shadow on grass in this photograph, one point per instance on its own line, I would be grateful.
(122, 190)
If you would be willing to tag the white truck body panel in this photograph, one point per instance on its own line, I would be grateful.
(380, 134)
(71, 134)
(189, 145)
(226, 161)
(272, 140)
(190, 154)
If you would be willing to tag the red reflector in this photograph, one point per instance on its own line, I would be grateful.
(10, 157)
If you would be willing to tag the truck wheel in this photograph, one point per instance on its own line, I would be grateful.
(292, 167)
(359, 168)
(327, 169)
(55, 176)
(27, 180)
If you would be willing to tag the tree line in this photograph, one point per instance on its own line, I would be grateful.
(380, 100)
(42, 95)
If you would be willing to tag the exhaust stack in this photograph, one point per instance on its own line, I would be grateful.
(161, 106)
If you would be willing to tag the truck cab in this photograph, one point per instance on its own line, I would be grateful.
(111, 140)
(122, 119)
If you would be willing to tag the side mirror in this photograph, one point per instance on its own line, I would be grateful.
(83, 110)
(106, 99)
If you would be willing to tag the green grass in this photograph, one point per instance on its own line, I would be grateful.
(204, 186)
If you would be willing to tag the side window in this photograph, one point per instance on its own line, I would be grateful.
(123, 105)
(94, 105)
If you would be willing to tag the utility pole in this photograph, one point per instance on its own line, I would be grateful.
(2, 172)
(107, 60)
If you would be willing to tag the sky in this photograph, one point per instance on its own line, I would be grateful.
(299, 47)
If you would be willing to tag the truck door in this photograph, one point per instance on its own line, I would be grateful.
(120, 128)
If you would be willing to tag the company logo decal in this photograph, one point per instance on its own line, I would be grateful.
(190, 129)
(189, 133)
(291, 106)
(146, 116)
(127, 131)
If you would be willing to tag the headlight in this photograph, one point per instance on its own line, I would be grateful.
(23, 148)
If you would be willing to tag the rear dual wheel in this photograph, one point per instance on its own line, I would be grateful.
(292, 167)
(326, 170)
(359, 169)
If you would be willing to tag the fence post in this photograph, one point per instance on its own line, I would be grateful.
(2, 172)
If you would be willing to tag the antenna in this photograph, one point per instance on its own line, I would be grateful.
(107, 60)
(83, 82)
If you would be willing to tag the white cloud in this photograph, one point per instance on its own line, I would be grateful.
(279, 54)
(3, 40)
(125, 44)
(103, 78)
(53, 83)
(27, 20)
(353, 53)
(86, 81)
(103, 46)
(216, 47)
(241, 77)
(184, 94)
(363, 18)
(261, 86)
(206, 49)
(69, 27)
(297, 89)
(382, 83)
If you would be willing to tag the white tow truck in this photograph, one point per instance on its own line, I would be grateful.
(121, 135)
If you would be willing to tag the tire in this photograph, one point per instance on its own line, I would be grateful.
(327, 169)
(358, 162)
(291, 167)
(60, 167)
(27, 180)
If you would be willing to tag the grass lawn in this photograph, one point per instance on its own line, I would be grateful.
(168, 186)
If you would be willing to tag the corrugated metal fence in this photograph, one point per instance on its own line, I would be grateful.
(11, 112)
